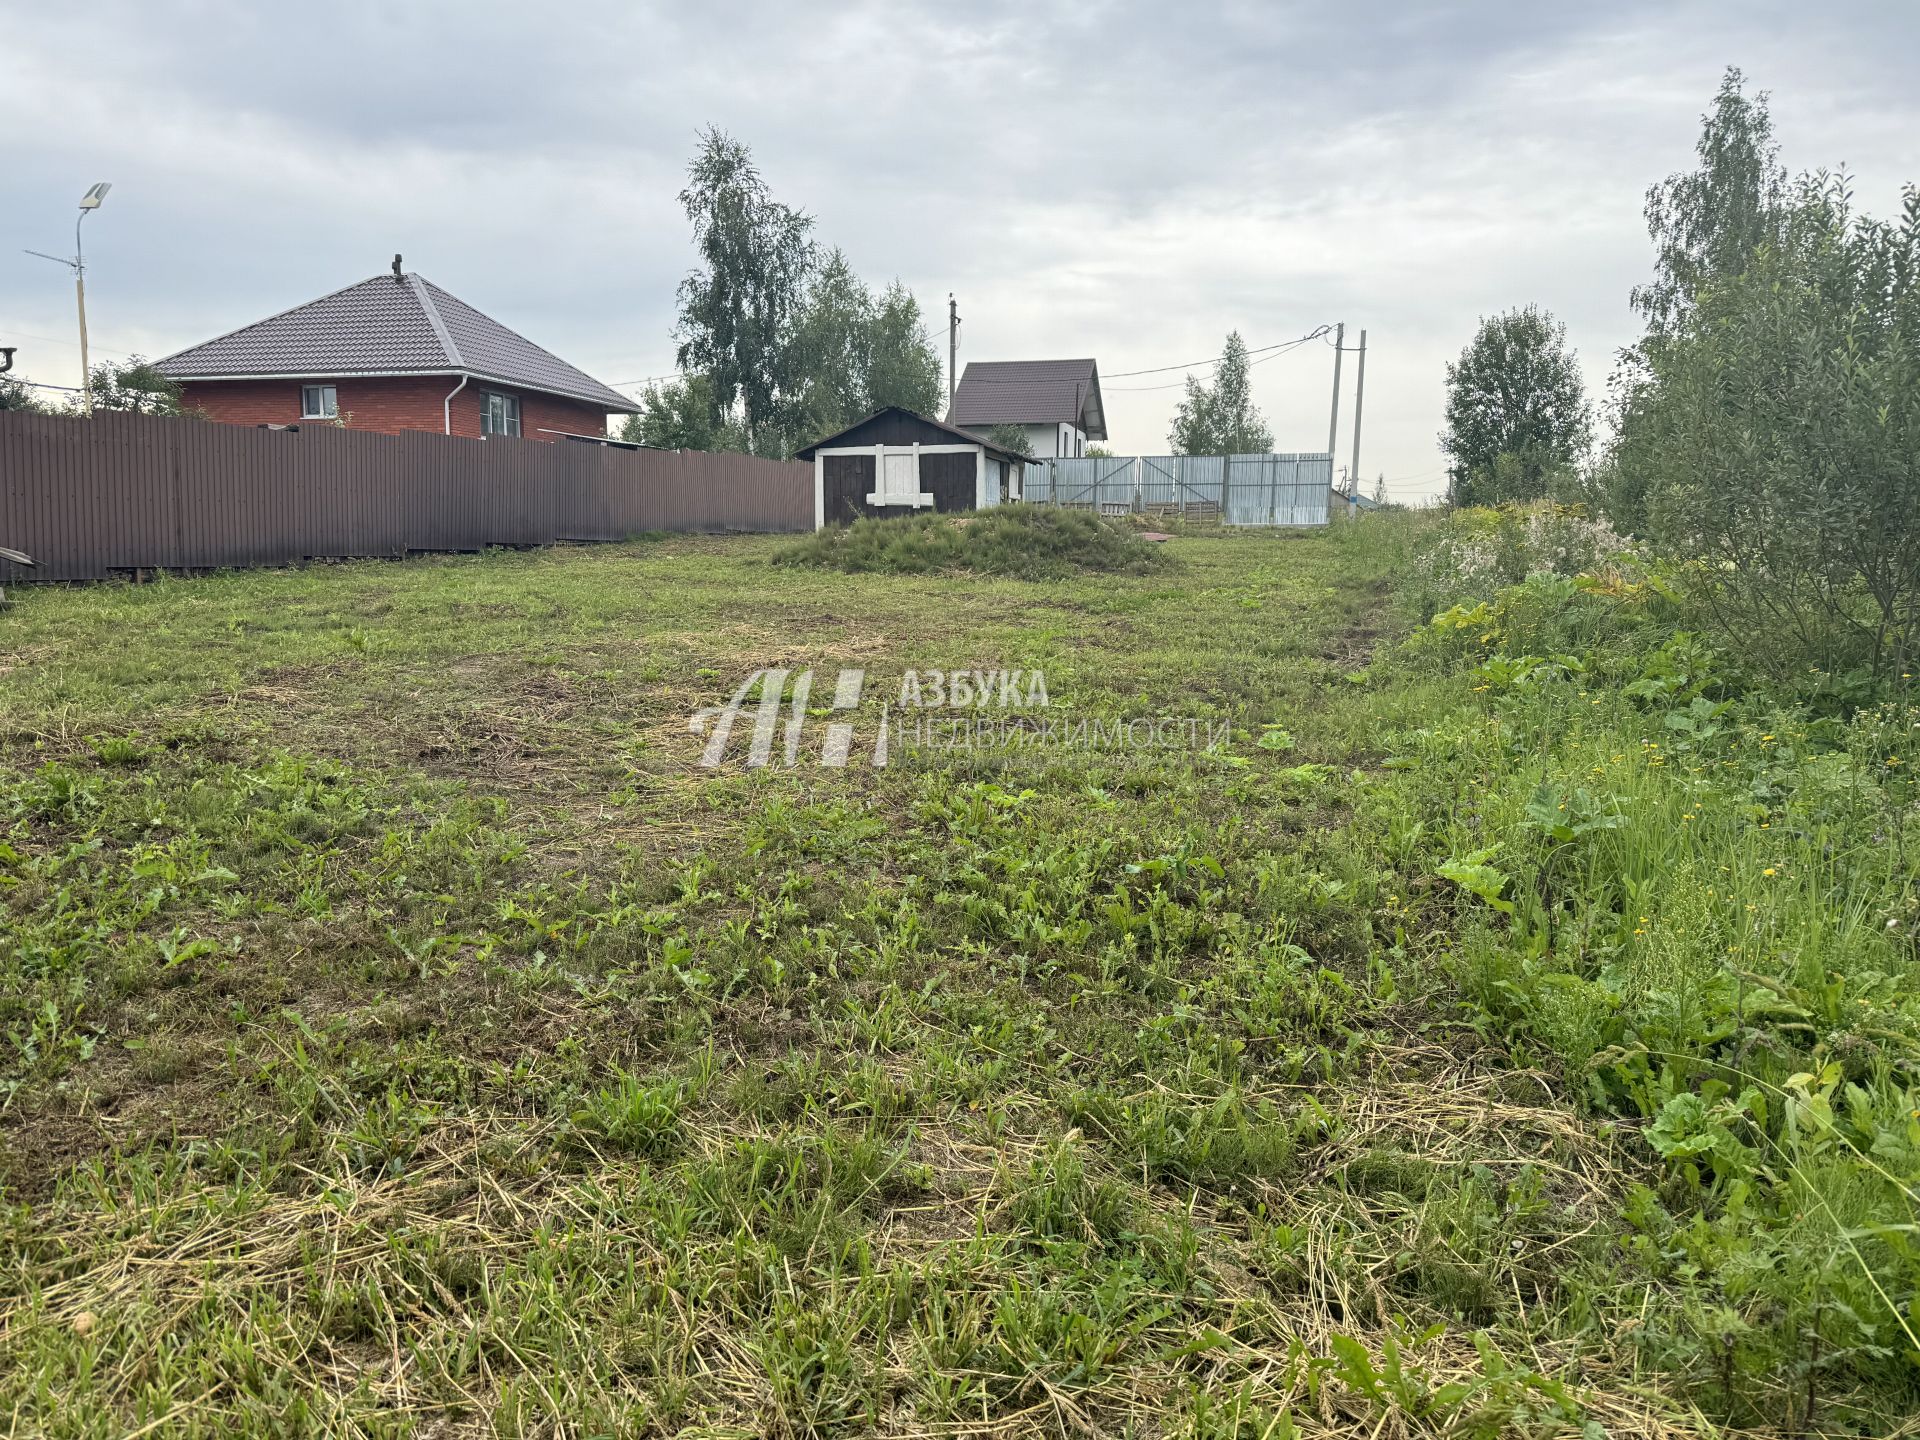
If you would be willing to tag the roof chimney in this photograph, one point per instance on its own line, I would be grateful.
(396, 269)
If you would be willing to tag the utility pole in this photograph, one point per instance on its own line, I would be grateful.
(953, 352)
(1359, 393)
(1333, 421)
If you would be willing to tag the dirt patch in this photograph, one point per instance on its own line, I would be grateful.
(25, 658)
(39, 1148)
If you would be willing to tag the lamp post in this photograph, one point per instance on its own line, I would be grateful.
(90, 201)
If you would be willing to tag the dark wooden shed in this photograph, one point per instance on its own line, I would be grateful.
(896, 461)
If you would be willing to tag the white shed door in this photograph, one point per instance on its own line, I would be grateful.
(902, 478)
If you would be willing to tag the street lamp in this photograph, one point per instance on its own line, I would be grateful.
(78, 264)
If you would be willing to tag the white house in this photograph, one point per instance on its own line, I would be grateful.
(1055, 402)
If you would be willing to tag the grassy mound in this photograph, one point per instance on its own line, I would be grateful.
(1027, 542)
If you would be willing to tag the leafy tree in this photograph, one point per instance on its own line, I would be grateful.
(1098, 452)
(1220, 419)
(1706, 223)
(1777, 440)
(681, 415)
(16, 394)
(136, 388)
(1517, 414)
(1013, 439)
(1767, 429)
(854, 352)
(736, 312)
(903, 365)
(789, 346)
(828, 353)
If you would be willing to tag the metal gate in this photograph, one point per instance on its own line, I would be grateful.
(1095, 482)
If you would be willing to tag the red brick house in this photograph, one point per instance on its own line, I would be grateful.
(389, 354)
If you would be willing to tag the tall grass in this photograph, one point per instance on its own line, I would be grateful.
(1028, 542)
(1696, 898)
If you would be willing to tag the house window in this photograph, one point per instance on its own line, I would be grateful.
(499, 414)
(319, 402)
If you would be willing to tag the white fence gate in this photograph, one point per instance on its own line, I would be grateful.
(1239, 489)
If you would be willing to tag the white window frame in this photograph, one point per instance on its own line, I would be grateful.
(510, 405)
(911, 495)
(899, 482)
(329, 402)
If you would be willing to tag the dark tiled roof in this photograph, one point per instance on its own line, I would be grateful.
(964, 437)
(389, 326)
(1030, 392)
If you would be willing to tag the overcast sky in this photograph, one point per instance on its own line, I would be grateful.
(1117, 180)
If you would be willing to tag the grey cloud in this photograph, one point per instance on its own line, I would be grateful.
(1127, 180)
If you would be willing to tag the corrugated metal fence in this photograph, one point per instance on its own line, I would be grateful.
(1242, 489)
(118, 493)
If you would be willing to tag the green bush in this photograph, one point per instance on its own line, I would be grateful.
(1694, 899)
(1026, 542)
(1774, 441)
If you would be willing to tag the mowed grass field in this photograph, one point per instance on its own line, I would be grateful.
(404, 1034)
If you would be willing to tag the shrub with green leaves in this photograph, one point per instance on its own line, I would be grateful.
(1768, 426)
(1779, 439)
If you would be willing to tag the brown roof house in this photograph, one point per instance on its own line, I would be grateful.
(1056, 402)
(390, 354)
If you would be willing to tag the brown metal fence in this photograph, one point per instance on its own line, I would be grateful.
(89, 499)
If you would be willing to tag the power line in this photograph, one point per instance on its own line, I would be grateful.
(1196, 364)
(42, 385)
(67, 344)
(1265, 352)
(1143, 389)
(1262, 351)
(1278, 350)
